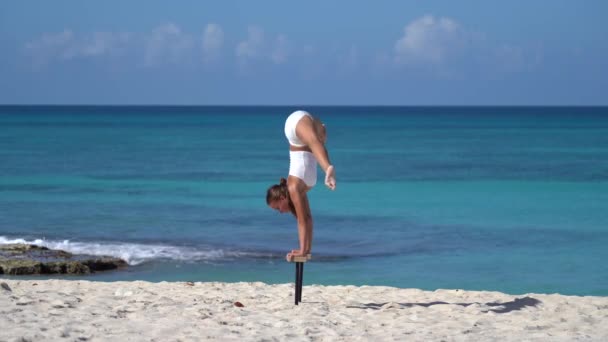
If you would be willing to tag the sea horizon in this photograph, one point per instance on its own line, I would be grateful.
(315, 105)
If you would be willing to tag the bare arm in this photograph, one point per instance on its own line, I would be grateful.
(297, 193)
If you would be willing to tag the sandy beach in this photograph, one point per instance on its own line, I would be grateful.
(71, 310)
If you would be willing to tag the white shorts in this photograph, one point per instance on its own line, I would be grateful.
(290, 127)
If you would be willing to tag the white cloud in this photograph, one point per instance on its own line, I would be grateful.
(67, 46)
(281, 50)
(257, 48)
(167, 44)
(441, 43)
(429, 40)
(99, 44)
(213, 39)
(51, 40)
(48, 47)
(252, 47)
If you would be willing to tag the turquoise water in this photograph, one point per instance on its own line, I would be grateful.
(512, 199)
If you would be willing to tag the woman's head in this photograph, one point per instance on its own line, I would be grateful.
(277, 197)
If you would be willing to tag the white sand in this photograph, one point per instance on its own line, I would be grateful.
(58, 310)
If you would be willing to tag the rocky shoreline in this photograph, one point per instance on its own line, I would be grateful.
(27, 259)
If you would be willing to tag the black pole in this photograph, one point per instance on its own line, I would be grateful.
(301, 281)
(297, 295)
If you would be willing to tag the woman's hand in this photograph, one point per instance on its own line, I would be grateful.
(294, 253)
(330, 177)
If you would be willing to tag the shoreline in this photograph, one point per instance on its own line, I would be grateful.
(169, 311)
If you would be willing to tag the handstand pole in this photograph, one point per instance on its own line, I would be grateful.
(299, 260)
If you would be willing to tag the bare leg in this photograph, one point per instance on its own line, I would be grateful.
(313, 133)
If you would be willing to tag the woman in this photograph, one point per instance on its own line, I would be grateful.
(306, 135)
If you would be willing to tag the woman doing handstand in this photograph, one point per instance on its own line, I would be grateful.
(306, 135)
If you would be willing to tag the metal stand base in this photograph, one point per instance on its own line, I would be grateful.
(299, 280)
(299, 261)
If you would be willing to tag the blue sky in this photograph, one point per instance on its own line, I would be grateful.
(542, 52)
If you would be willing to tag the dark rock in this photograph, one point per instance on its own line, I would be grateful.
(19, 266)
(66, 267)
(20, 247)
(23, 259)
(6, 287)
(104, 263)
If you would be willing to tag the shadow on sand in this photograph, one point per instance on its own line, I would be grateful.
(514, 305)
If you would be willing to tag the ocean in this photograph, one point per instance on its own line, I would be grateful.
(511, 199)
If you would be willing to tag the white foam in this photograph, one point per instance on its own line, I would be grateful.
(134, 253)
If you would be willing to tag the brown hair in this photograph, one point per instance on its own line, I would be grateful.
(276, 191)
